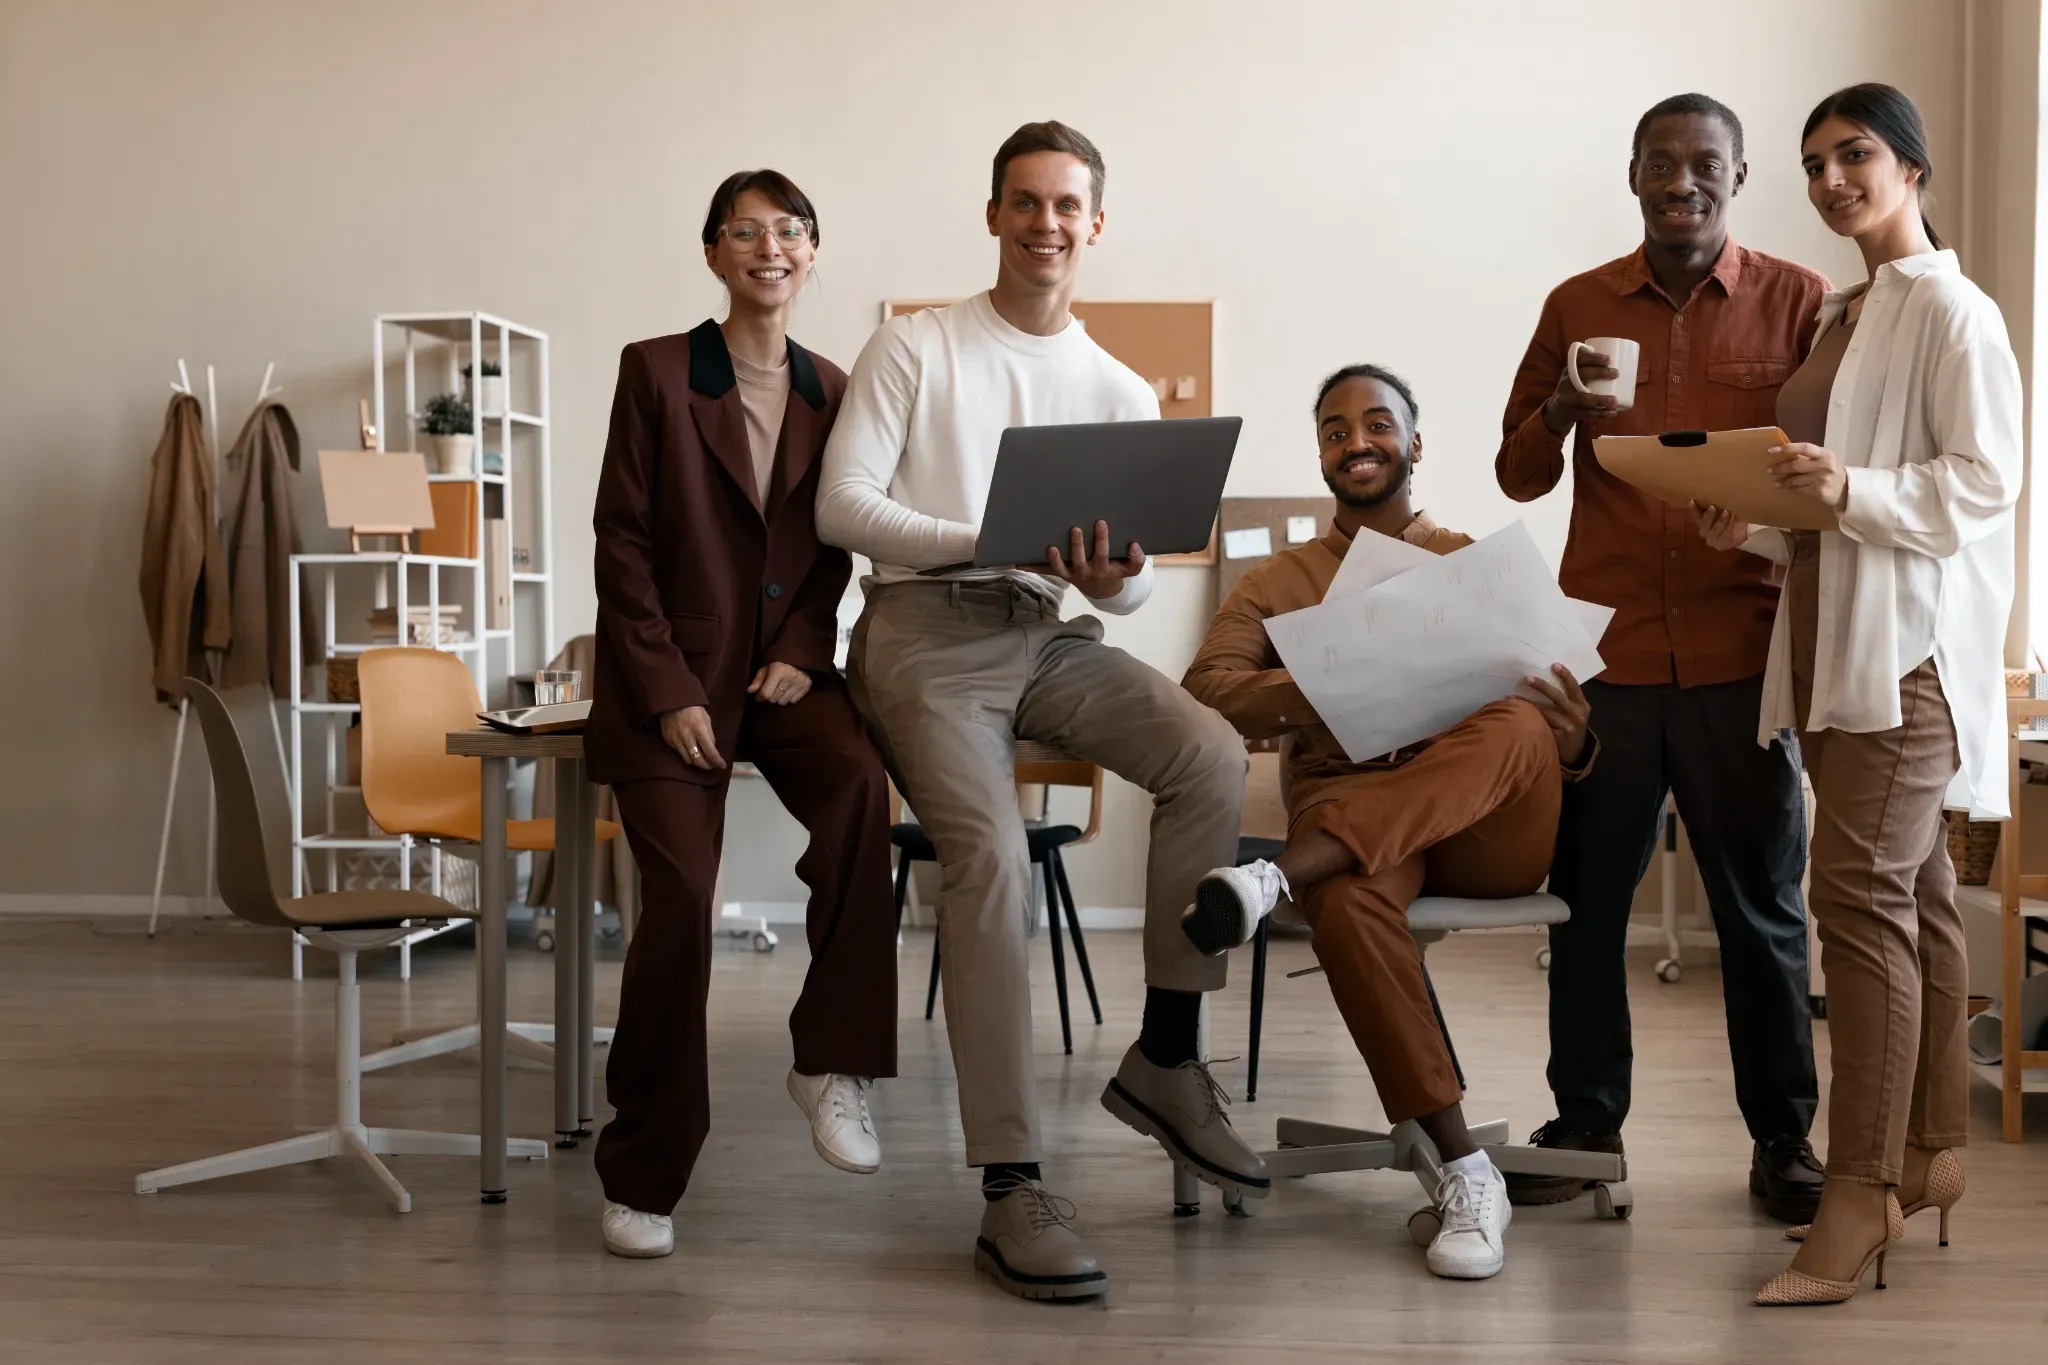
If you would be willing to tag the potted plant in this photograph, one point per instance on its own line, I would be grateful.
(450, 428)
(490, 388)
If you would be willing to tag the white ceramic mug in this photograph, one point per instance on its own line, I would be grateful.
(1622, 354)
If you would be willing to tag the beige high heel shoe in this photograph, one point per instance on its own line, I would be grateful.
(1943, 1191)
(1794, 1288)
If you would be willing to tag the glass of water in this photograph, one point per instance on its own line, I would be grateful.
(554, 685)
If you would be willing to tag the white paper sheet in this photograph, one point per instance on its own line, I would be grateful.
(1300, 530)
(1253, 542)
(1593, 619)
(1413, 646)
(1373, 559)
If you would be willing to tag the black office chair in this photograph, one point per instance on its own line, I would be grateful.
(1037, 765)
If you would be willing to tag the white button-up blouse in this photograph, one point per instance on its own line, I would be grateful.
(1925, 414)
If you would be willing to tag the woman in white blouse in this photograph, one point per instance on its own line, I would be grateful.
(1887, 656)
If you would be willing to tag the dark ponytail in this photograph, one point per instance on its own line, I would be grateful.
(1887, 114)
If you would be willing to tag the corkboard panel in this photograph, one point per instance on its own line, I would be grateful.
(1163, 342)
(1242, 514)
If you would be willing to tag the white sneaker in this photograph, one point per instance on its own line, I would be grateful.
(841, 1128)
(629, 1232)
(1229, 903)
(1475, 1214)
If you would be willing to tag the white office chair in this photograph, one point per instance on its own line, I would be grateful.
(1307, 1147)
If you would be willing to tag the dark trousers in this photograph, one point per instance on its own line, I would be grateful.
(1746, 818)
(817, 758)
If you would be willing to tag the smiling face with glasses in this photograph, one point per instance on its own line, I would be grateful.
(762, 253)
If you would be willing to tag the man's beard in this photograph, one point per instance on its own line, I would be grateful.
(1394, 485)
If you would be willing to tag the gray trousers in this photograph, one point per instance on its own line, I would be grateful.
(950, 675)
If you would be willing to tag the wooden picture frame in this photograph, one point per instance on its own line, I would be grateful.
(1170, 344)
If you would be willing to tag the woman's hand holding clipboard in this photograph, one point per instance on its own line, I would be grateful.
(1738, 471)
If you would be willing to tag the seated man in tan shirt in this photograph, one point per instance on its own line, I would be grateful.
(1471, 812)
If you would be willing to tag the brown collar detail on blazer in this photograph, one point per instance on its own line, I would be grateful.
(715, 404)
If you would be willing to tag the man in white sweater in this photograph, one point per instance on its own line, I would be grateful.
(953, 669)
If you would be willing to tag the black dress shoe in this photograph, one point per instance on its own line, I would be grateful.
(1784, 1173)
(1559, 1136)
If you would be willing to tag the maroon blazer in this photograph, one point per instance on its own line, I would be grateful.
(698, 585)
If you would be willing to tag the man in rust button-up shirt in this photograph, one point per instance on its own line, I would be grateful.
(1719, 327)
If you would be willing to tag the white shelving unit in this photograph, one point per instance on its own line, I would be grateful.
(517, 489)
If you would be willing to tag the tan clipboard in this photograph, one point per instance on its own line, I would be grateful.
(1728, 469)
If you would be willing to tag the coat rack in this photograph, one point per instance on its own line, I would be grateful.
(210, 412)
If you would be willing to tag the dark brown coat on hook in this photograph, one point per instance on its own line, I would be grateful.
(184, 576)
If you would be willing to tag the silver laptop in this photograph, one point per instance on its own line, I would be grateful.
(542, 720)
(1157, 483)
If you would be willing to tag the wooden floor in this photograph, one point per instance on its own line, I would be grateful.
(118, 1054)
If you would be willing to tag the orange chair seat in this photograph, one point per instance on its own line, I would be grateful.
(521, 836)
(538, 836)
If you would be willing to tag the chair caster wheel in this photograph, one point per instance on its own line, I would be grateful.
(1186, 1210)
(1668, 971)
(764, 942)
(1424, 1225)
(493, 1197)
(1234, 1206)
(1543, 959)
(544, 934)
(565, 1142)
(1613, 1201)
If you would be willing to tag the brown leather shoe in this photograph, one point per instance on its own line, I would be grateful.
(1558, 1136)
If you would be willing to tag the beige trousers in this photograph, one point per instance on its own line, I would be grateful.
(1883, 896)
(950, 675)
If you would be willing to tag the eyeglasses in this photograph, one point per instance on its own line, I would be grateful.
(789, 233)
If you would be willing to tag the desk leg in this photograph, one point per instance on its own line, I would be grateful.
(2013, 949)
(490, 947)
(586, 950)
(569, 944)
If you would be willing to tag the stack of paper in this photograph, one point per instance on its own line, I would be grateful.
(1406, 643)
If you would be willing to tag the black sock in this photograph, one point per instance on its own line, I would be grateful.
(998, 1172)
(1172, 1027)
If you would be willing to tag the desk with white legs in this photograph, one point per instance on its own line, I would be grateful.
(575, 955)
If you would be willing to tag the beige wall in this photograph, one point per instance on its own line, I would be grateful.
(241, 183)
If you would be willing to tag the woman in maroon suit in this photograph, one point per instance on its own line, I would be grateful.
(716, 625)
